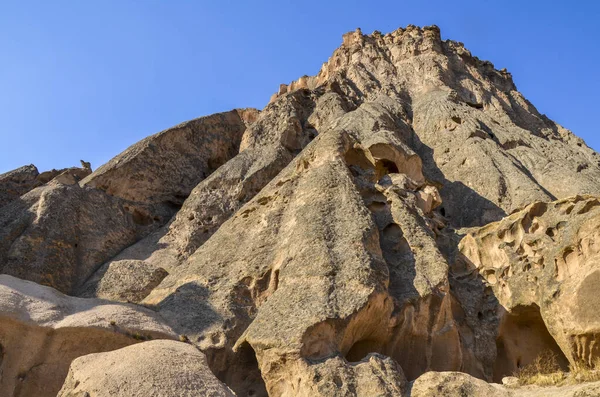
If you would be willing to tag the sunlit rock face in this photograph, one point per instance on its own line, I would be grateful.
(404, 213)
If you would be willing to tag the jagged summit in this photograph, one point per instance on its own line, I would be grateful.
(405, 211)
(390, 48)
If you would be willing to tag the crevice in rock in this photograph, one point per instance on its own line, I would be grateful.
(242, 375)
(475, 105)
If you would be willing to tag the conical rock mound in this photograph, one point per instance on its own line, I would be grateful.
(342, 240)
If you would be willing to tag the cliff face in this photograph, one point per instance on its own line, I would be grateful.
(338, 242)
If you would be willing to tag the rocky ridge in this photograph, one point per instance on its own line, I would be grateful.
(395, 225)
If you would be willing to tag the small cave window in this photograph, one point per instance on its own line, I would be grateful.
(390, 166)
(361, 349)
(384, 167)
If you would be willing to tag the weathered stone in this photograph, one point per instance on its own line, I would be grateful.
(124, 280)
(312, 249)
(455, 384)
(16, 183)
(543, 263)
(158, 368)
(58, 234)
(42, 331)
(163, 168)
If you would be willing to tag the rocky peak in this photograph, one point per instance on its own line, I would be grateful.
(387, 58)
(397, 225)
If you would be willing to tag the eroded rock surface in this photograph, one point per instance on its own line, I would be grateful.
(59, 233)
(342, 240)
(457, 384)
(42, 331)
(543, 263)
(157, 368)
(16, 183)
(163, 168)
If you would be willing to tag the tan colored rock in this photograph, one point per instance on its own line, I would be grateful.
(42, 331)
(543, 264)
(375, 375)
(16, 183)
(268, 145)
(316, 250)
(276, 242)
(455, 384)
(58, 234)
(157, 368)
(124, 281)
(488, 147)
(163, 168)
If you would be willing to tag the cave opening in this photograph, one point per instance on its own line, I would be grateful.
(242, 374)
(522, 337)
(361, 349)
(384, 167)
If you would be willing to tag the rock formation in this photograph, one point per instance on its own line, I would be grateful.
(42, 331)
(543, 264)
(157, 368)
(397, 225)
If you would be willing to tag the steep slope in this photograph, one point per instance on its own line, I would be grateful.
(338, 242)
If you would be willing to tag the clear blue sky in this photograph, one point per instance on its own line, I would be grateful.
(85, 79)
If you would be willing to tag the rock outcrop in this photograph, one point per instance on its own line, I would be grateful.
(59, 233)
(544, 265)
(15, 183)
(457, 384)
(157, 368)
(353, 238)
(163, 168)
(42, 331)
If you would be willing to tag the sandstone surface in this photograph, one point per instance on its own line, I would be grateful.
(42, 331)
(544, 265)
(399, 224)
(149, 369)
(16, 183)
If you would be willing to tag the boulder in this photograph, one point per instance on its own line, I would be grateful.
(158, 368)
(42, 331)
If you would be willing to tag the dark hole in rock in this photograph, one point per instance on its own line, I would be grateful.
(522, 337)
(141, 219)
(384, 167)
(475, 105)
(361, 349)
(241, 374)
(214, 163)
(390, 166)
